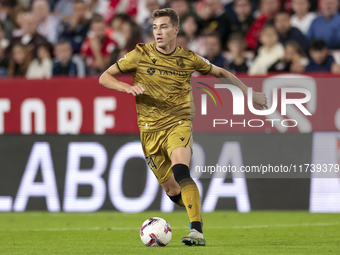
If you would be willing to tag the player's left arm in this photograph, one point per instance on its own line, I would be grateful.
(227, 77)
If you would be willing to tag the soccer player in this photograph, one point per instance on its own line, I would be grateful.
(161, 84)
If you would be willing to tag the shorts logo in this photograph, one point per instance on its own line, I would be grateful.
(151, 71)
(151, 163)
(190, 205)
(180, 62)
(182, 139)
(154, 61)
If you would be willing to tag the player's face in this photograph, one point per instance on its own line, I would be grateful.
(164, 32)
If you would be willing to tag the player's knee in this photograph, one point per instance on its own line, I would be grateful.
(173, 192)
(181, 172)
(172, 189)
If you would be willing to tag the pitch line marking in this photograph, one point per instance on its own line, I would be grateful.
(223, 227)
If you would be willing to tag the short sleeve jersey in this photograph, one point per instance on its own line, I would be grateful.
(167, 98)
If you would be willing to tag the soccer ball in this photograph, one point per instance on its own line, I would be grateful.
(155, 232)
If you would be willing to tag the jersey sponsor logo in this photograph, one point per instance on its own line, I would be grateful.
(205, 60)
(180, 62)
(154, 61)
(175, 73)
(151, 71)
(182, 139)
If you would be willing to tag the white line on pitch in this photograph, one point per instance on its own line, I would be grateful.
(221, 227)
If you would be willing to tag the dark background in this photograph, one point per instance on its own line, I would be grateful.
(273, 192)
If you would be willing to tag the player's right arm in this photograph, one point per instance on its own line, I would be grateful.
(126, 64)
(108, 80)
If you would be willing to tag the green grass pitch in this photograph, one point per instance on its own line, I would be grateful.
(226, 232)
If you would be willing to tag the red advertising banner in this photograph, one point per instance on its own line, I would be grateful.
(65, 106)
(82, 106)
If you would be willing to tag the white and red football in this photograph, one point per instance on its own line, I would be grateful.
(155, 231)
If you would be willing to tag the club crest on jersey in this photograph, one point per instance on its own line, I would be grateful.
(154, 61)
(151, 71)
(180, 62)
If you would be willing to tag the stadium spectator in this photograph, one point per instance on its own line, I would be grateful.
(236, 47)
(30, 36)
(294, 59)
(182, 40)
(182, 7)
(166, 4)
(268, 9)
(20, 58)
(216, 19)
(76, 27)
(327, 26)
(269, 53)
(149, 38)
(213, 49)
(245, 18)
(6, 7)
(66, 64)
(117, 33)
(63, 9)
(287, 32)
(146, 26)
(190, 27)
(320, 60)
(41, 67)
(48, 24)
(97, 47)
(3, 45)
(130, 7)
(302, 19)
(3, 41)
(130, 34)
(17, 18)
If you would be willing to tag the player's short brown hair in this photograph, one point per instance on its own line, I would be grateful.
(166, 12)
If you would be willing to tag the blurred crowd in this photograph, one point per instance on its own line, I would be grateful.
(44, 38)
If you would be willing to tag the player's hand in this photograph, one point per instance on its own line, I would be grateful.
(260, 99)
(136, 90)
